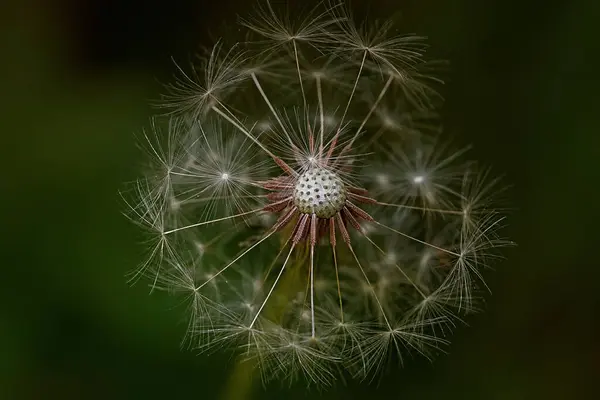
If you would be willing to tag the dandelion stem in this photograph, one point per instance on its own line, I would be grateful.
(241, 381)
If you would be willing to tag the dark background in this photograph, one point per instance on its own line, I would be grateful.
(76, 79)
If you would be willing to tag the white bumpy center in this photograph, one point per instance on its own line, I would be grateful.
(321, 192)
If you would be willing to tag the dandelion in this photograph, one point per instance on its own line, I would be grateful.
(304, 203)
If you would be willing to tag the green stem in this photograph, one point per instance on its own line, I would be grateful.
(241, 382)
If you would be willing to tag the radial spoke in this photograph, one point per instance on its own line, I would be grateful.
(312, 290)
(362, 64)
(235, 260)
(273, 287)
(398, 267)
(321, 116)
(270, 105)
(233, 121)
(387, 322)
(313, 241)
(377, 101)
(332, 241)
(417, 240)
(212, 221)
(407, 207)
(300, 76)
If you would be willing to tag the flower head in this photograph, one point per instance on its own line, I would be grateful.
(304, 209)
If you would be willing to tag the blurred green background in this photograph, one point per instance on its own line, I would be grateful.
(77, 77)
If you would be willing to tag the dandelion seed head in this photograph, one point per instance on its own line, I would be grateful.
(304, 201)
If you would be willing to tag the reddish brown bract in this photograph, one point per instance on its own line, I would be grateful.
(310, 226)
